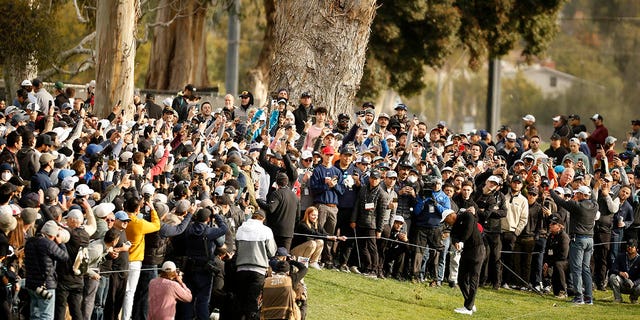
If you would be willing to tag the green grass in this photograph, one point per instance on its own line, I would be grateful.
(336, 295)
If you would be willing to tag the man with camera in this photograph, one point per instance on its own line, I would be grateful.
(165, 290)
(41, 254)
(183, 102)
(202, 240)
(425, 230)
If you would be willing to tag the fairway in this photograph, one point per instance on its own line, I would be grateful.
(336, 295)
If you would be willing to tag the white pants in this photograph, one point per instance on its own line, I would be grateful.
(132, 283)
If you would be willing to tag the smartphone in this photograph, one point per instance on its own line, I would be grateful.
(119, 103)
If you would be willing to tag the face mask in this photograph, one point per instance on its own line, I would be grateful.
(6, 176)
(412, 179)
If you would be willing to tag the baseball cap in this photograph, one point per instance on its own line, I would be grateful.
(391, 174)
(46, 158)
(529, 118)
(26, 83)
(495, 179)
(375, 174)
(383, 115)
(68, 183)
(83, 190)
(169, 266)
(103, 209)
(511, 136)
(202, 168)
(401, 106)
(122, 216)
(305, 95)
(610, 140)
(445, 214)
(574, 116)
(584, 190)
(282, 252)
(328, 150)
(596, 117)
(398, 218)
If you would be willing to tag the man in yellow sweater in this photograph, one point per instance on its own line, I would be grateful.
(136, 230)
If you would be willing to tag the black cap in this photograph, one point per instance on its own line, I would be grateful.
(555, 220)
(375, 174)
(635, 122)
(343, 116)
(245, 94)
(555, 136)
(368, 104)
(305, 95)
(150, 96)
(516, 178)
(190, 87)
(574, 116)
(632, 243)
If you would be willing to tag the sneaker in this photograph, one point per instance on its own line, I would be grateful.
(601, 287)
(344, 268)
(315, 265)
(561, 295)
(355, 270)
(381, 275)
(577, 300)
(539, 287)
(435, 284)
(474, 308)
(328, 265)
(463, 310)
(547, 289)
(588, 300)
(506, 286)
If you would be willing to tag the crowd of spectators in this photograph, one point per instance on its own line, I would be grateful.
(189, 209)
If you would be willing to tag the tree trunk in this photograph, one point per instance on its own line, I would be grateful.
(115, 53)
(179, 54)
(319, 47)
(16, 69)
(259, 76)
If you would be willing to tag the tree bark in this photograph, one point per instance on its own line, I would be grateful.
(115, 54)
(179, 54)
(319, 47)
(17, 68)
(259, 76)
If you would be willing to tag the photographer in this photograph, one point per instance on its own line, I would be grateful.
(165, 290)
(202, 240)
(41, 254)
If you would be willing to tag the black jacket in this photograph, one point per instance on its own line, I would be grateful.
(40, 257)
(282, 207)
(301, 115)
(370, 218)
(155, 243)
(557, 247)
(582, 214)
(491, 209)
(303, 228)
(79, 239)
(466, 230)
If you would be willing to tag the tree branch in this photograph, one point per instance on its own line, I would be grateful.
(78, 13)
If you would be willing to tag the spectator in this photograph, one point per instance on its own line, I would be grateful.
(255, 246)
(583, 213)
(597, 138)
(165, 291)
(41, 254)
(282, 207)
(555, 258)
(625, 274)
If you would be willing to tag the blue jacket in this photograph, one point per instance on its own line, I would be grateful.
(428, 210)
(348, 197)
(40, 181)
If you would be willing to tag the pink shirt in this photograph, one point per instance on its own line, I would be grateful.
(163, 294)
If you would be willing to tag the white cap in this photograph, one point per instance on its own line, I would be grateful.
(83, 190)
(68, 183)
(202, 168)
(168, 266)
(584, 190)
(148, 189)
(559, 190)
(495, 179)
(75, 214)
(167, 102)
(511, 136)
(610, 140)
(529, 117)
(445, 214)
(103, 209)
(125, 156)
(26, 83)
(398, 218)
(556, 118)
(306, 154)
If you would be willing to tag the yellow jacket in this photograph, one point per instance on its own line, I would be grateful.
(136, 229)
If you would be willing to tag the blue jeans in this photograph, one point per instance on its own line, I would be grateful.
(41, 308)
(101, 298)
(538, 261)
(616, 236)
(580, 251)
(442, 261)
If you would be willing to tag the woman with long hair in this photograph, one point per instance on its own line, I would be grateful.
(308, 238)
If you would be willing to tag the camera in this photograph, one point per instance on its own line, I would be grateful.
(43, 292)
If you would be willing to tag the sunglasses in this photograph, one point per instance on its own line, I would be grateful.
(109, 220)
(307, 160)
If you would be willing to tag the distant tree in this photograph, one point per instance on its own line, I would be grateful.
(27, 40)
(407, 35)
(178, 55)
